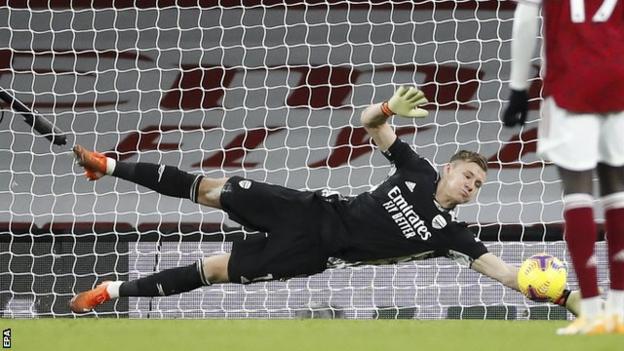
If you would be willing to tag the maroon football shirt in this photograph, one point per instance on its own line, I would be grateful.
(584, 49)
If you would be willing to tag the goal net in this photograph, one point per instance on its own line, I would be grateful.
(269, 90)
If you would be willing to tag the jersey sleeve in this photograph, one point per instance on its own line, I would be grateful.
(463, 245)
(403, 156)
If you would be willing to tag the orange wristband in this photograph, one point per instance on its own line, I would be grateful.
(386, 110)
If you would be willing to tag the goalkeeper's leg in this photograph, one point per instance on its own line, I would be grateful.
(163, 179)
(206, 271)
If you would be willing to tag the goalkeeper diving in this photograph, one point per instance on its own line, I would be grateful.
(409, 216)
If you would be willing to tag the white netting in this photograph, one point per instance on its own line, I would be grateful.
(267, 91)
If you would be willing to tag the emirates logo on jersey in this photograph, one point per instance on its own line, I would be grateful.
(438, 222)
(404, 216)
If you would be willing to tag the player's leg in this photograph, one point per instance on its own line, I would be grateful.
(281, 255)
(580, 237)
(571, 141)
(166, 180)
(206, 271)
(267, 207)
(580, 234)
(612, 193)
(611, 175)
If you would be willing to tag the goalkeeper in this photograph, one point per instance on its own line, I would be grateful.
(408, 216)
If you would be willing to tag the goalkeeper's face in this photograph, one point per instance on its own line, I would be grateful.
(462, 180)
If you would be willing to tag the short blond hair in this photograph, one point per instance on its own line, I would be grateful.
(471, 156)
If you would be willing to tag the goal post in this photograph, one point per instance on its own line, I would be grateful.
(269, 90)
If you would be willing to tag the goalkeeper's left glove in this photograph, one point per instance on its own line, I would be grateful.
(405, 102)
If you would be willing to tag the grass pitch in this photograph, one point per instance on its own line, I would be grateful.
(274, 335)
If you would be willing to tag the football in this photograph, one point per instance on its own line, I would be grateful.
(542, 277)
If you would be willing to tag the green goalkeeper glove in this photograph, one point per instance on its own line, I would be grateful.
(405, 102)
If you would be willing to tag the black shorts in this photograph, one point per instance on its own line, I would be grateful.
(293, 220)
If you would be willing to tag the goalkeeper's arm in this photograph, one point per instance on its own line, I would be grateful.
(495, 268)
(405, 102)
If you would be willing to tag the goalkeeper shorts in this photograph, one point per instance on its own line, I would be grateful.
(294, 222)
(579, 141)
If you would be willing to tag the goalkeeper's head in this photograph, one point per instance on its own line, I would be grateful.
(462, 178)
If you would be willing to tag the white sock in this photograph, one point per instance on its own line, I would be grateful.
(591, 307)
(110, 166)
(113, 288)
(615, 302)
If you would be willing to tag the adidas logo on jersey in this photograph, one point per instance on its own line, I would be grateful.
(438, 222)
(410, 185)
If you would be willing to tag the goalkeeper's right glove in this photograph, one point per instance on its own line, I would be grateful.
(405, 102)
(516, 111)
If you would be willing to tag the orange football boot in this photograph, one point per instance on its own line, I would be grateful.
(93, 162)
(585, 326)
(88, 300)
(615, 324)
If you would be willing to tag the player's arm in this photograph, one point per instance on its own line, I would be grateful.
(524, 39)
(495, 268)
(405, 102)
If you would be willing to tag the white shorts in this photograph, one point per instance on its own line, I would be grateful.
(579, 141)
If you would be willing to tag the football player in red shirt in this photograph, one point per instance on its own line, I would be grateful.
(581, 130)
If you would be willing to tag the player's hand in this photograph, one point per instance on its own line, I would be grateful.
(516, 111)
(406, 101)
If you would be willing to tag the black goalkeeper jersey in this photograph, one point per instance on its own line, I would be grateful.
(400, 220)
